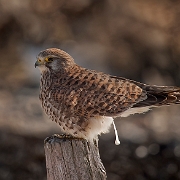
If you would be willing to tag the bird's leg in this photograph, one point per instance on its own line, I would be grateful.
(59, 136)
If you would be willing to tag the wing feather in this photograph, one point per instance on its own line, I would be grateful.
(88, 93)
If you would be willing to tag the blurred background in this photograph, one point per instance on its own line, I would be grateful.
(138, 39)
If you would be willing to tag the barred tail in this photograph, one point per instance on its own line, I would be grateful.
(159, 95)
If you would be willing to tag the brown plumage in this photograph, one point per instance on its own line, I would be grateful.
(84, 101)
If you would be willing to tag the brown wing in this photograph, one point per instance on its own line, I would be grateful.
(158, 95)
(88, 93)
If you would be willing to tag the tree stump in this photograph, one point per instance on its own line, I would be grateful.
(69, 158)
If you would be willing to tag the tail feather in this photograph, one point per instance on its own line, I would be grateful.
(159, 95)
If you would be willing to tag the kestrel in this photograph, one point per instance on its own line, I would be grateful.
(84, 102)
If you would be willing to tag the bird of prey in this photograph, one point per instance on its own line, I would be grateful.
(84, 102)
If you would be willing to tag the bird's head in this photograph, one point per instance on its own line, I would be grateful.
(54, 59)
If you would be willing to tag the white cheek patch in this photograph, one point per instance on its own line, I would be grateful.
(54, 65)
(42, 68)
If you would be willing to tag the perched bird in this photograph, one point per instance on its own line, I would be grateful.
(84, 102)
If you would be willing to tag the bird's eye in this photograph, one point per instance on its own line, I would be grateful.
(50, 59)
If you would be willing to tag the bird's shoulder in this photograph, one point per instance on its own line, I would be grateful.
(93, 81)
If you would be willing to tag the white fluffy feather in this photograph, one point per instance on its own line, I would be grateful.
(135, 111)
(98, 125)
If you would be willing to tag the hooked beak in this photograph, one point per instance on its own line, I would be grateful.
(38, 63)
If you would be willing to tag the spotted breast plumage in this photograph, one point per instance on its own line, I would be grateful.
(84, 102)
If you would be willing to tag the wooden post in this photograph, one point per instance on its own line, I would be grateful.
(69, 158)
